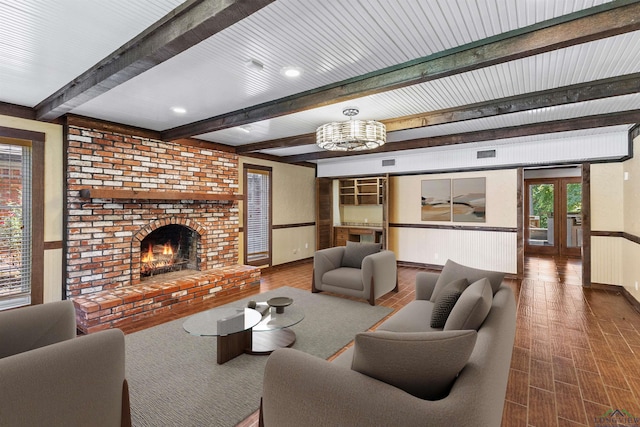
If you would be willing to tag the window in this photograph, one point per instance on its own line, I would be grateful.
(257, 221)
(21, 217)
(15, 225)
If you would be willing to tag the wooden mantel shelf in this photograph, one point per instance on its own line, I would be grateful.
(104, 193)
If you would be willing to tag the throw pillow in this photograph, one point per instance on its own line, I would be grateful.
(355, 252)
(472, 307)
(445, 302)
(424, 364)
(452, 271)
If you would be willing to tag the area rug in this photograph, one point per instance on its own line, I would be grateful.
(174, 379)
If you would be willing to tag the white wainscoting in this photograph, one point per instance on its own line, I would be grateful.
(489, 250)
(631, 267)
(606, 260)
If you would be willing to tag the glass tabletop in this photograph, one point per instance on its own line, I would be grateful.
(272, 320)
(222, 321)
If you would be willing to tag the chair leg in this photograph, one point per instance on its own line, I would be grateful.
(125, 418)
(314, 290)
(397, 288)
(372, 295)
(260, 419)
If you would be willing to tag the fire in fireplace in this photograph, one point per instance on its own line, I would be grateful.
(170, 248)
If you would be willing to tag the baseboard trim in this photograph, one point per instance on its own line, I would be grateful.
(286, 264)
(618, 288)
(436, 267)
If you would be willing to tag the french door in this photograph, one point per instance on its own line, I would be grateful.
(553, 220)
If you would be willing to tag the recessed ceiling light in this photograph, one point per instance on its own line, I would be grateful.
(179, 110)
(291, 71)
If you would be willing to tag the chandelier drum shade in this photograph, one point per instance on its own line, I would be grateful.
(352, 135)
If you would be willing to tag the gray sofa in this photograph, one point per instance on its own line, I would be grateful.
(49, 377)
(396, 375)
(360, 270)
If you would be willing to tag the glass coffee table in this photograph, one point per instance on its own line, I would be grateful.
(245, 330)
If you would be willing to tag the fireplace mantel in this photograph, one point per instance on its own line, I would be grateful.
(109, 193)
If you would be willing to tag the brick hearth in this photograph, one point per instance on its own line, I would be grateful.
(113, 308)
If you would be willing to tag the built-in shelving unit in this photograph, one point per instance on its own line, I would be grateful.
(361, 191)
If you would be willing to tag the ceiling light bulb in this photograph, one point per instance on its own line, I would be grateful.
(291, 71)
(179, 110)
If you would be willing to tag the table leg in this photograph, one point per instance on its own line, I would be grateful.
(266, 342)
(233, 345)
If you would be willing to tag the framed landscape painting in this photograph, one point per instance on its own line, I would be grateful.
(436, 200)
(469, 200)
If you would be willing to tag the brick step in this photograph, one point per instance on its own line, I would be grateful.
(115, 307)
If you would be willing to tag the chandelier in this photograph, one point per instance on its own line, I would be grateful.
(352, 135)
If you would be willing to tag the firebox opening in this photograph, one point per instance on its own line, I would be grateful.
(170, 248)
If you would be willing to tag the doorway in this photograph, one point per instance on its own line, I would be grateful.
(553, 224)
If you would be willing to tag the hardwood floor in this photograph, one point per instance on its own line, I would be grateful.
(576, 353)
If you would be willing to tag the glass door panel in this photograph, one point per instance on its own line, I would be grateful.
(541, 229)
(573, 218)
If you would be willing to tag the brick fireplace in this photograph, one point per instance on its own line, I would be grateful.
(122, 189)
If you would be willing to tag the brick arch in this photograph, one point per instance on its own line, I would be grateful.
(152, 226)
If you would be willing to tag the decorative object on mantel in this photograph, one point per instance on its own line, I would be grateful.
(352, 135)
(108, 193)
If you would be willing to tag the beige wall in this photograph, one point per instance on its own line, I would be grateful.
(293, 203)
(607, 197)
(632, 191)
(370, 214)
(607, 200)
(53, 209)
(615, 206)
(482, 249)
(631, 250)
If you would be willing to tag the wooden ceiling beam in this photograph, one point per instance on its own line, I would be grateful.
(14, 110)
(565, 125)
(589, 91)
(569, 30)
(182, 28)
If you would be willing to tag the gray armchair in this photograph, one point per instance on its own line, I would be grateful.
(50, 377)
(359, 270)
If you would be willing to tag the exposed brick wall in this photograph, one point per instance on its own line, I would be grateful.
(102, 251)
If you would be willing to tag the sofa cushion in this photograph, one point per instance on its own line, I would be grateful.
(413, 317)
(445, 301)
(355, 252)
(424, 364)
(453, 271)
(472, 307)
(344, 277)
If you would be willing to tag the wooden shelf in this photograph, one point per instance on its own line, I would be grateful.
(361, 191)
(104, 193)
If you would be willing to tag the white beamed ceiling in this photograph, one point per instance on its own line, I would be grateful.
(45, 45)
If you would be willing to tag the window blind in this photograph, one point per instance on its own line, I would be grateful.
(15, 225)
(257, 214)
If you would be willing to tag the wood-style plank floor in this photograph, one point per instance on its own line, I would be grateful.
(576, 353)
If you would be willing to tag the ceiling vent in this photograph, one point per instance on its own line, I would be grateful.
(389, 162)
(486, 154)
